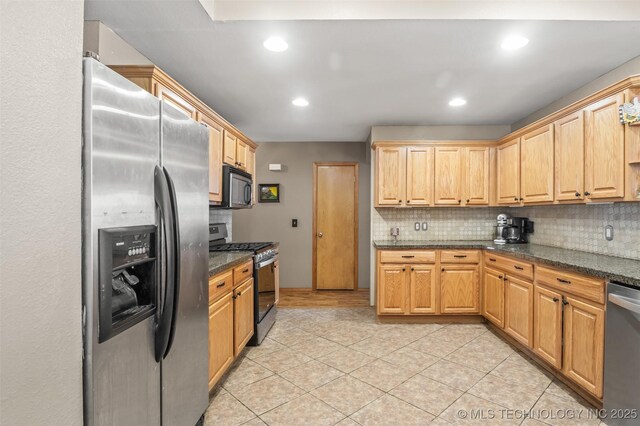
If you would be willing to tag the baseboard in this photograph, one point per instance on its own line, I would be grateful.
(428, 319)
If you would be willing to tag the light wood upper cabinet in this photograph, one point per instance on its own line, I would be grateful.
(508, 172)
(537, 166)
(168, 95)
(220, 337)
(215, 158)
(459, 289)
(547, 327)
(477, 174)
(493, 296)
(229, 149)
(422, 289)
(569, 158)
(391, 176)
(420, 176)
(242, 315)
(242, 152)
(604, 149)
(518, 317)
(584, 344)
(392, 284)
(448, 176)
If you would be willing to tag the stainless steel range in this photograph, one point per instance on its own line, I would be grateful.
(265, 277)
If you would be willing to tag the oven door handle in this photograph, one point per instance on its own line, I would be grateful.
(266, 262)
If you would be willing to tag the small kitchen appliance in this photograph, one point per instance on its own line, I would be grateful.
(512, 230)
(501, 224)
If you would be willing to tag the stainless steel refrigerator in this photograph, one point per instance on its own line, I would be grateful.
(145, 256)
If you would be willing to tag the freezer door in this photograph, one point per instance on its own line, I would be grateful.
(121, 133)
(184, 156)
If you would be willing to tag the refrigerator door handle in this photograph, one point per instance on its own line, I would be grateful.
(163, 201)
(176, 260)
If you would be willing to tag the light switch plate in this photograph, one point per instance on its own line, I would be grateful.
(425, 226)
(416, 226)
(608, 233)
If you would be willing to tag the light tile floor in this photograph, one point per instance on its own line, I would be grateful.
(327, 366)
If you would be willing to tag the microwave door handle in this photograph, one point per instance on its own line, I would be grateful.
(247, 194)
(163, 201)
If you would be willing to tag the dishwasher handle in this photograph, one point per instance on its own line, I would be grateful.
(625, 302)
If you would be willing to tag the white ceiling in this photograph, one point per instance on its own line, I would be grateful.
(356, 74)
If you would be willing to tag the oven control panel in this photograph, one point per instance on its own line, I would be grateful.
(267, 254)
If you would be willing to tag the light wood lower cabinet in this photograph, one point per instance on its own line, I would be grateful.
(459, 289)
(392, 287)
(422, 289)
(221, 353)
(242, 316)
(518, 317)
(547, 326)
(493, 296)
(584, 344)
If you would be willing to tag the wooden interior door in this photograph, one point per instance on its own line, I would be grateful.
(584, 344)
(392, 289)
(448, 176)
(536, 156)
(509, 172)
(493, 296)
(604, 170)
(518, 317)
(335, 226)
(422, 289)
(391, 176)
(215, 158)
(547, 328)
(459, 289)
(477, 176)
(420, 176)
(569, 180)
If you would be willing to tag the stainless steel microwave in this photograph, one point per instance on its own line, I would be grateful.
(237, 188)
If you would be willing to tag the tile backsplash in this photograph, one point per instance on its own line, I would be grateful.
(222, 216)
(579, 227)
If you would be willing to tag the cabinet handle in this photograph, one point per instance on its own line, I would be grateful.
(244, 271)
(460, 256)
(408, 257)
(555, 299)
(564, 301)
(492, 259)
(519, 268)
(515, 198)
(563, 281)
(587, 193)
(239, 294)
(577, 194)
(221, 284)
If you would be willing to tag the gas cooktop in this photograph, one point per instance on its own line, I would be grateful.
(239, 247)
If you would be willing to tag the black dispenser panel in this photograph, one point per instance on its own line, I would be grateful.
(127, 278)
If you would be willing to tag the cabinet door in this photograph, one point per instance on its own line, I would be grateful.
(547, 325)
(518, 316)
(459, 289)
(168, 95)
(391, 176)
(448, 176)
(242, 315)
(536, 157)
(584, 344)
(477, 176)
(493, 296)
(509, 172)
(251, 168)
(229, 149)
(604, 144)
(422, 289)
(220, 337)
(392, 287)
(242, 151)
(569, 161)
(215, 158)
(420, 176)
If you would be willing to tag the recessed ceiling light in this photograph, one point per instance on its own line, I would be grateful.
(300, 102)
(514, 42)
(275, 44)
(455, 102)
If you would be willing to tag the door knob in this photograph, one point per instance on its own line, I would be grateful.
(320, 234)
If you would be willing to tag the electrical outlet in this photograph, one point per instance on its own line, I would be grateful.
(425, 226)
(608, 233)
(416, 226)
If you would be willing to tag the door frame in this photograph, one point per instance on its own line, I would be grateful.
(356, 167)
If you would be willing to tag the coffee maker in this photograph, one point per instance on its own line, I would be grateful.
(512, 230)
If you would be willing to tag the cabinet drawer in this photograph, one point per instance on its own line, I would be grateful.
(408, 256)
(242, 272)
(587, 287)
(460, 256)
(220, 284)
(509, 265)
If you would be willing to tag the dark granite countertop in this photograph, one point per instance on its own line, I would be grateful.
(220, 261)
(611, 268)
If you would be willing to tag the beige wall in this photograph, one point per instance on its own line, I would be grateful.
(272, 222)
(40, 232)
(111, 48)
(625, 70)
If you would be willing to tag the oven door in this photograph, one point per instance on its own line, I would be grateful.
(265, 275)
(240, 192)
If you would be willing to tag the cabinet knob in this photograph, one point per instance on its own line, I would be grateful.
(555, 299)
(521, 199)
(412, 268)
(442, 269)
(500, 277)
(587, 193)
(515, 198)
(564, 301)
(320, 235)
(404, 269)
(577, 194)
(399, 201)
(408, 201)
(468, 200)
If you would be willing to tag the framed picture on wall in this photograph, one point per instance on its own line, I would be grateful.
(269, 192)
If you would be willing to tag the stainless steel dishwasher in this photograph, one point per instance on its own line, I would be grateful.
(622, 356)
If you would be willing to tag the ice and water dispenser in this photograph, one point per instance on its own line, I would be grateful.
(127, 284)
